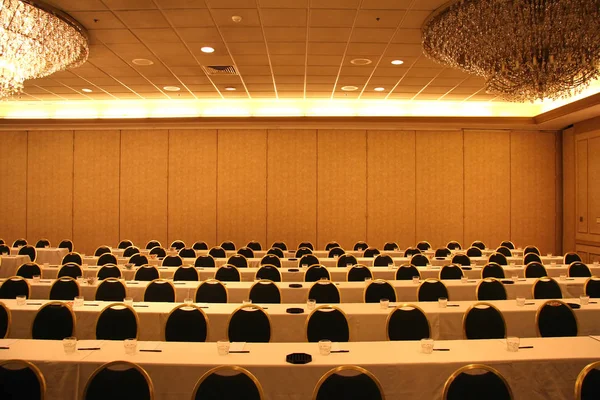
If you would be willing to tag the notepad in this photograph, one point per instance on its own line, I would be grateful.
(152, 345)
(237, 346)
(7, 342)
(89, 344)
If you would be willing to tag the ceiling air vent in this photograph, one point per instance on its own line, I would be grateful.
(220, 69)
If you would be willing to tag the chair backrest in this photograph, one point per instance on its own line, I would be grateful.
(419, 260)
(160, 290)
(407, 322)
(206, 261)
(177, 245)
(109, 271)
(20, 379)
(423, 245)
(111, 289)
(5, 321)
(479, 244)
(490, 289)
(217, 252)
(138, 259)
(66, 244)
(451, 272)
(407, 272)
(235, 383)
(335, 252)
(571, 258)
(254, 245)
(269, 272)
(53, 321)
(432, 290)
(131, 250)
(265, 292)
(42, 243)
(474, 252)
(276, 251)
(14, 286)
(327, 323)
(442, 252)
(556, 319)
(587, 385)
(172, 261)
(371, 252)
(360, 246)
(498, 258)
(187, 252)
(28, 250)
(249, 323)
(101, 250)
(246, 252)
(186, 323)
(508, 244)
(411, 251)
(324, 291)
(331, 245)
(493, 270)
(70, 269)
(346, 260)
(307, 260)
(377, 290)
(158, 251)
(117, 321)
(483, 321)
(383, 260)
(29, 270)
(453, 245)
(279, 245)
(591, 287)
(200, 245)
(546, 288)
(358, 273)
(390, 246)
(19, 242)
(123, 244)
(65, 288)
(476, 381)
(211, 291)
(461, 259)
(119, 380)
(535, 270)
(348, 382)
(228, 245)
(579, 270)
(4, 249)
(530, 250)
(238, 260)
(107, 258)
(146, 273)
(302, 251)
(152, 244)
(271, 259)
(228, 273)
(504, 250)
(315, 273)
(531, 257)
(185, 273)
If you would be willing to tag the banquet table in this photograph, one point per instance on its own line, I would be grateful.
(10, 263)
(548, 370)
(51, 255)
(367, 322)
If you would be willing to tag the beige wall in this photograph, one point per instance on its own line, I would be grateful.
(280, 184)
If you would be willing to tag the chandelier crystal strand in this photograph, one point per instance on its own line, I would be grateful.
(525, 49)
(36, 41)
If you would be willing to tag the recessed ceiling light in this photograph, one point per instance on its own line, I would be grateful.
(172, 88)
(349, 88)
(230, 88)
(86, 90)
(397, 62)
(361, 61)
(236, 18)
(379, 89)
(207, 49)
(142, 61)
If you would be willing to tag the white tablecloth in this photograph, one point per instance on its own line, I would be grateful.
(10, 264)
(50, 255)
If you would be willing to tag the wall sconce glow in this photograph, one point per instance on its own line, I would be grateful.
(397, 62)
(207, 49)
(379, 89)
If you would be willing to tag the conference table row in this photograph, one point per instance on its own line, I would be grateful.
(367, 322)
(546, 370)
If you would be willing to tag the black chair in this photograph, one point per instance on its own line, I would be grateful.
(451, 272)
(42, 244)
(2, 241)
(123, 244)
(475, 382)
(111, 289)
(228, 386)
(265, 292)
(348, 382)
(254, 245)
(535, 270)
(70, 269)
(383, 260)
(53, 321)
(570, 258)
(4, 249)
(587, 385)
(200, 245)
(407, 322)
(228, 273)
(101, 250)
(186, 324)
(246, 252)
(66, 244)
(228, 245)
(490, 289)
(591, 287)
(498, 258)
(302, 251)
(360, 246)
(187, 252)
(442, 252)
(484, 321)
(327, 323)
(177, 245)
(423, 245)
(19, 243)
(185, 273)
(390, 246)
(432, 290)
(276, 252)
(152, 244)
(109, 271)
(146, 273)
(138, 260)
(238, 260)
(493, 270)
(324, 291)
(377, 290)
(531, 257)
(65, 288)
(461, 259)
(531, 250)
(119, 380)
(269, 272)
(336, 252)
(279, 245)
(21, 379)
(249, 323)
(504, 250)
(508, 244)
(205, 262)
(28, 250)
(579, 270)
(14, 286)
(29, 270)
(131, 250)
(419, 260)
(308, 260)
(117, 321)
(75, 258)
(172, 261)
(358, 273)
(556, 319)
(474, 252)
(407, 272)
(346, 260)
(217, 252)
(158, 251)
(316, 273)
(331, 245)
(371, 252)
(411, 251)
(211, 291)
(479, 244)
(271, 259)
(454, 245)
(546, 288)
(160, 290)
(5, 321)
(108, 258)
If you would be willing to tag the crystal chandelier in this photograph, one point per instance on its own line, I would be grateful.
(525, 49)
(36, 40)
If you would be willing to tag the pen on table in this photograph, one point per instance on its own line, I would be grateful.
(452, 305)
(441, 349)
(529, 304)
(34, 304)
(151, 351)
(140, 305)
(340, 351)
(526, 347)
(239, 351)
(89, 348)
(4, 348)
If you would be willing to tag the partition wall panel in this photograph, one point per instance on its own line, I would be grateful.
(13, 181)
(594, 184)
